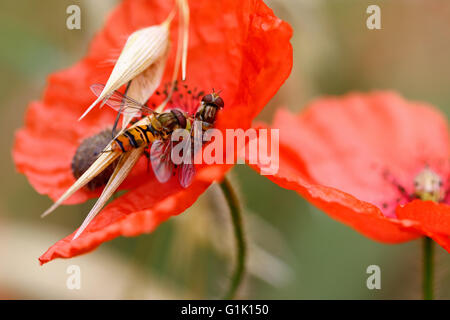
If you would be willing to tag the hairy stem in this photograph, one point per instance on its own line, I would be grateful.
(428, 268)
(236, 217)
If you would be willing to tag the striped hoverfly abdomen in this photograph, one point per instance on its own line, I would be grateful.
(160, 127)
(135, 137)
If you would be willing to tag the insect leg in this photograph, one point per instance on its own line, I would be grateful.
(118, 115)
(106, 151)
(147, 155)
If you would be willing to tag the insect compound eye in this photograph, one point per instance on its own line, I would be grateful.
(208, 99)
(219, 102)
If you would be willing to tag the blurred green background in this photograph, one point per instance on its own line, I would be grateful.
(296, 251)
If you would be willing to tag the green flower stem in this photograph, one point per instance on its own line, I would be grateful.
(236, 217)
(428, 268)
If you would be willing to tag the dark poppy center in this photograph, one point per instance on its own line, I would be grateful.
(87, 153)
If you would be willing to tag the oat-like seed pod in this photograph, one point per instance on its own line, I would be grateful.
(143, 49)
(123, 168)
(144, 85)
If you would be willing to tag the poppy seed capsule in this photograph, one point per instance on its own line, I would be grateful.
(87, 153)
(428, 186)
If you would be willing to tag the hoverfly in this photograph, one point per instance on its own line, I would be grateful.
(157, 134)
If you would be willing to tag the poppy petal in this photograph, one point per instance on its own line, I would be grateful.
(431, 216)
(138, 211)
(442, 240)
(360, 215)
(361, 137)
(237, 46)
(338, 161)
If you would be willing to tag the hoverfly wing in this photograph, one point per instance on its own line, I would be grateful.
(120, 102)
(197, 134)
(186, 171)
(186, 174)
(162, 165)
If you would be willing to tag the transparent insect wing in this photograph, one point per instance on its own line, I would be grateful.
(162, 165)
(186, 174)
(197, 133)
(120, 102)
(186, 171)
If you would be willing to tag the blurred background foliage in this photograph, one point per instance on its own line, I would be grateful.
(296, 251)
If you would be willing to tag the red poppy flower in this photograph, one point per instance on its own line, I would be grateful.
(362, 159)
(239, 47)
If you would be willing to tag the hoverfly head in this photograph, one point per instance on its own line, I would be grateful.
(213, 99)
